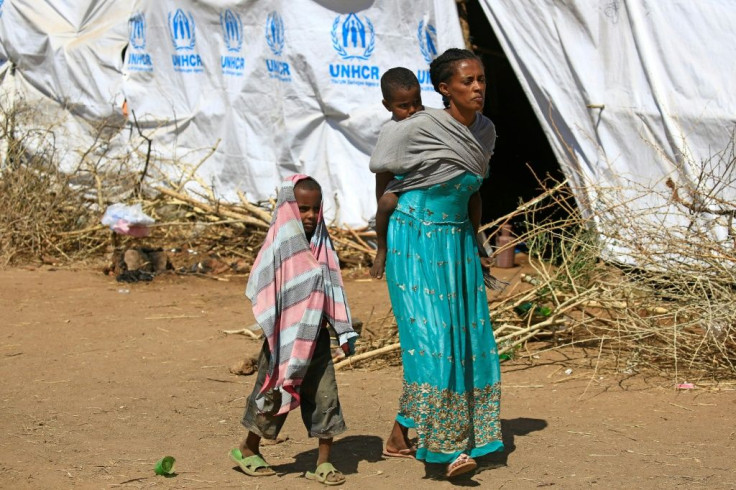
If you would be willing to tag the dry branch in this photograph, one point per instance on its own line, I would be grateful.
(350, 361)
(211, 209)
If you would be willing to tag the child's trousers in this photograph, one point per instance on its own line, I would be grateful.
(319, 405)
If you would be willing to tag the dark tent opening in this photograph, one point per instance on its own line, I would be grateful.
(522, 150)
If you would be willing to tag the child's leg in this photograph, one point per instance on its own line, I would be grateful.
(250, 445)
(261, 425)
(386, 205)
(323, 451)
(320, 405)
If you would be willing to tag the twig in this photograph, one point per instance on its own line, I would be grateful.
(367, 355)
(244, 331)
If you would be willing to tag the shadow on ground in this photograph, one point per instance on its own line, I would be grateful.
(346, 455)
(510, 429)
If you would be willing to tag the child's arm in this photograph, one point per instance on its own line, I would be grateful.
(386, 204)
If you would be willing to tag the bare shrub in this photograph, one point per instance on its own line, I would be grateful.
(37, 202)
(648, 279)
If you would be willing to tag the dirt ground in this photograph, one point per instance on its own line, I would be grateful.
(101, 379)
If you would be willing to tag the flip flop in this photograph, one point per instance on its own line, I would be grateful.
(323, 472)
(407, 453)
(462, 464)
(251, 464)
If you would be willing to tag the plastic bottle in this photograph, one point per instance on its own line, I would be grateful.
(505, 258)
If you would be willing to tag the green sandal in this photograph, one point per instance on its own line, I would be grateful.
(251, 464)
(323, 472)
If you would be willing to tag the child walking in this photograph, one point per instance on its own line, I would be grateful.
(402, 97)
(296, 290)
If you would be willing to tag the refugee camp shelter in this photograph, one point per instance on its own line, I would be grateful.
(611, 94)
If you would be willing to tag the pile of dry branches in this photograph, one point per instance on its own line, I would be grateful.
(54, 217)
(665, 304)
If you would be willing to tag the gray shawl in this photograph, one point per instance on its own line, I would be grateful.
(432, 147)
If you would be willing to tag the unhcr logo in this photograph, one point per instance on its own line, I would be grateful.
(182, 30)
(275, 33)
(138, 58)
(427, 35)
(2, 2)
(277, 69)
(232, 33)
(351, 40)
(354, 39)
(137, 27)
(181, 27)
(232, 30)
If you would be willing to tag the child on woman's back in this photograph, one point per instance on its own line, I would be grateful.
(402, 97)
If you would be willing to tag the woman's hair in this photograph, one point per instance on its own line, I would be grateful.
(442, 67)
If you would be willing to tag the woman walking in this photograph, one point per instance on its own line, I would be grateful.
(451, 388)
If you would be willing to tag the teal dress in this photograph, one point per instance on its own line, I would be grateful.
(452, 390)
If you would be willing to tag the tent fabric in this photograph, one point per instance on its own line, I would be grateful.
(275, 87)
(629, 93)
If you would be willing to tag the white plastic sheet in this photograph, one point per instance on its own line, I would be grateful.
(628, 92)
(276, 86)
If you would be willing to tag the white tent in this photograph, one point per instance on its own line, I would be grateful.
(275, 87)
(628, 92)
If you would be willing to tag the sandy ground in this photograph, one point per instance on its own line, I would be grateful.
(101, 379)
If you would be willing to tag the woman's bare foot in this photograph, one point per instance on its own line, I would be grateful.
(379, 264)
(398, 443)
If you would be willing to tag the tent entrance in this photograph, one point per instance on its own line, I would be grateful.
(522, 149)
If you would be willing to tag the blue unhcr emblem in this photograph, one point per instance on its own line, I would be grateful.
(181, 27)
(353, 41)
(137, 28)
(1, 7)
(138, 58)
(427, 36)
(275, 32)
(232, 30)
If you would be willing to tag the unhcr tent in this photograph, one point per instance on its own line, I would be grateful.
(239, 93)
(630, 94)
(627, 93)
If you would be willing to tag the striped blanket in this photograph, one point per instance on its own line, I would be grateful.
(295, 286)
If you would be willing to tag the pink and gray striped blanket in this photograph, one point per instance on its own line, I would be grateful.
(295, 286)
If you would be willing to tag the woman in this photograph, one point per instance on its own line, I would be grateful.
(451, 389)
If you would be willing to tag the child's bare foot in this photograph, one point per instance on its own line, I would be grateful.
(379, 264)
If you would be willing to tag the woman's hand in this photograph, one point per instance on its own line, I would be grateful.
(475, 209)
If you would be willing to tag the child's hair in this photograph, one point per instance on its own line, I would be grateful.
(442, 67)
(398, 77)
(308, 184)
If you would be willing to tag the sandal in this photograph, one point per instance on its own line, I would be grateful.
(251, 465)
(462, 464)
(323, 473)
(409, 453)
